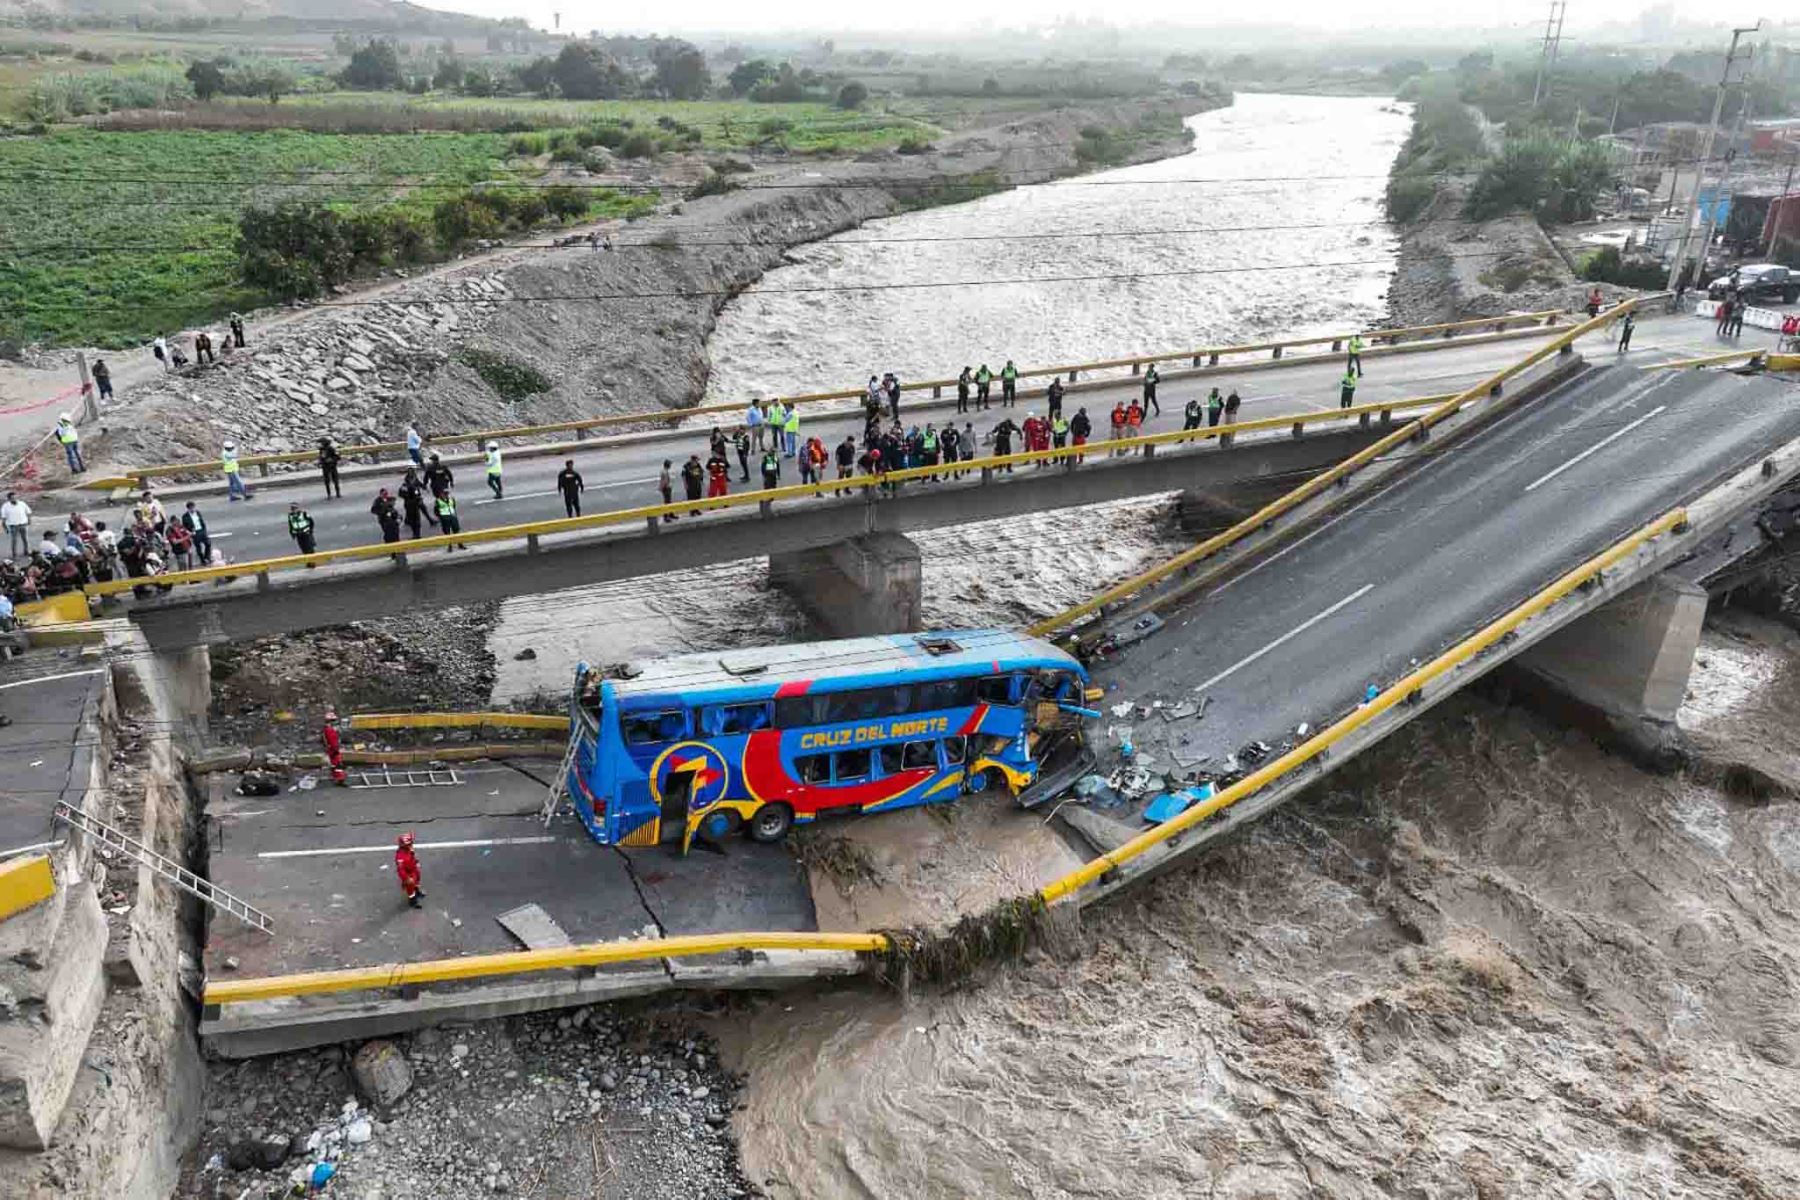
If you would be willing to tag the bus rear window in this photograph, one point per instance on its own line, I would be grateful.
(647, 728)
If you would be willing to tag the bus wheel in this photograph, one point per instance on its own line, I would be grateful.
(980, 781)
(717, 826)
(771, 823)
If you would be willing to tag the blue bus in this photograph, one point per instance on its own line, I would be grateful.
(708, 744)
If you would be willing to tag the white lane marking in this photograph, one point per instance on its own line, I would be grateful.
(1598, 446)
(515, 496)
(594, 487)
(1295, 632)
(386, 847)
(48, 678)
(226, 534)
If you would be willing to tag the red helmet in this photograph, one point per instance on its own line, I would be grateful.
(406, 841)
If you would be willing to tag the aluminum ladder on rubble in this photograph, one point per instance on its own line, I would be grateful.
(201, 889)
(559, 786)
(430, 777)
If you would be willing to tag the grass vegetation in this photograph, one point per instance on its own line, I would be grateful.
(111, 238)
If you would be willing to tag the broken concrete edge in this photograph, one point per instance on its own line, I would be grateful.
(274, 759)
(302, 474)
(1315, 512)
(249, 1030)
(1708, 514)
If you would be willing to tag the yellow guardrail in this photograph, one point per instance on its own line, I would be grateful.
(25, 882)
(654, 513)
(458, 720)
(479, 966)
(1749, 357)
(1397, 693)
(1545, 317)
(1318, 483)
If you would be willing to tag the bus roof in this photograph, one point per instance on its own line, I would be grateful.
(854, 658)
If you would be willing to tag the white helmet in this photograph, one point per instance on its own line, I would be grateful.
(63, 417)
(231, 445)
(493, 445)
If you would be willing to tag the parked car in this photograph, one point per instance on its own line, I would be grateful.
(1757, 281)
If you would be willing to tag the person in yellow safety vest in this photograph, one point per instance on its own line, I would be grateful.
(234, 477)
(1356, 348)
(790, 425)
(71, 443)
(1009, 384)
(1059, 432)
(448, 523)
(493, 469)
(1347, 390)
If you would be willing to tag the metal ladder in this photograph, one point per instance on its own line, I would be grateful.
(385, 778)
(559, 786)
(117, 839)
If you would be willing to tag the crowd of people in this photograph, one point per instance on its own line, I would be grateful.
(68, 554)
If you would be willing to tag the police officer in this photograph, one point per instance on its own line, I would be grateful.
(1054, 395)
(771, 470)
(984, 379)
(740, 441)
(493, 469)
(438, 478)
(1347, 389)
(1009, 383)
(693, 479)
(1191, 415)
(449, 524)
(387, 515)
(328, 467)
(1151, 379)
(1215, 408)
(300, 528)
(962, 390)
(1354, 361)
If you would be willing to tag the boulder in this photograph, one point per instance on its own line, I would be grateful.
(381, 1073)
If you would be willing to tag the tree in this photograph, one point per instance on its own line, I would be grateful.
(584, 72)
(538, 75)
(852, 95)
(294, 250)
(207, 78)
(375, 67)
(450, 73)
(477, 82)
(681, 71)
(745, 76)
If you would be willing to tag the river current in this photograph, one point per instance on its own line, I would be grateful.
(860, 1097)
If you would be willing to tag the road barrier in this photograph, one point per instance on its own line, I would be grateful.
(651, 515)
(1062, 622)
(1206, 355)
(1397, 693)
(487, 966)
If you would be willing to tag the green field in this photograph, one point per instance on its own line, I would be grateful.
(110, 238)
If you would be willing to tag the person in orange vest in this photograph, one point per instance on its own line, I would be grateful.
(718, 475)
(1134, 420)
(1118, 423)
(406, 870)
(334, 751)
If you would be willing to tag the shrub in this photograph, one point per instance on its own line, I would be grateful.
(913, 144)
(512, 379)
(1408, 196)
(714, 184)
(610, 136)
(565, 203)
(852, 95)
(527, 145)
(1608, 265)
(461, 220)
(294, 250)
(638, 145)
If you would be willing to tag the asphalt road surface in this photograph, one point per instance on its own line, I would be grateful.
(43, 755)
(623, 475)
(1409, 571)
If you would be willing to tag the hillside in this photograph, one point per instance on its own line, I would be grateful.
(395, 14)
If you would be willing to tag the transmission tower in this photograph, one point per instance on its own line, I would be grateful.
(1547, 55)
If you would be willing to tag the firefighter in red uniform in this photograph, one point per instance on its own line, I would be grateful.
(718, 476)
(406, 870)
(334, 752)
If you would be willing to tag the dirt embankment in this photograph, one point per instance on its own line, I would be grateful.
(1451, 269)
(556, 334)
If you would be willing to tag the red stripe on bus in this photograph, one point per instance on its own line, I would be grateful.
(793, 687)
(973, 724)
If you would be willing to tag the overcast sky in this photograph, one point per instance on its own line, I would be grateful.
(943, 16)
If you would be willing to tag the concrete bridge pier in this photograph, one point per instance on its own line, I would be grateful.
(863, 585)
(1622, 670)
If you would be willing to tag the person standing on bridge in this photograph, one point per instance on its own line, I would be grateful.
(771, 470)
(1347, 390)
(1134, 421)
(412, 502)
(1215, 408)
(791, 428)
(195, 524)
(449, 524)
(950, 445)
(1231, 407)
(1059, 432)
(1054, 396)
(846, 457)
(1151, 379)
(234, 474)
(1009, 384)
(569, 483)
(493, 470)
(438, 478)
(328, 467)
(334, 748)
(387, 515)
(891, 382)
(1003, 436)
(693, 479)
(1353, 361)
(740, 441)
(70, 437)
(1594, 301)
(984, 379)
(718, 475)
(1118, 424)
(962, 390)
(1625, 328)
(415, 445)
(1192, 414)
(406, 870)
(300, 528)
(1080, 430)
(775, 418)
(753, 422)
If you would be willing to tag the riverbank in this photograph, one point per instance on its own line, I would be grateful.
(548, 334)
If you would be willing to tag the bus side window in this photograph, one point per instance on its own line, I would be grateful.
(646, 728)
(851, 766)
(797, 712)
(996, 689)
(920, 754)
(890, 759)
(722, 719)
(814, 768)
(955, 748)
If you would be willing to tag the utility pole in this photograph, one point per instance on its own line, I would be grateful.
(1547, 55)
(1712, 131)
(1612, 122)
(1712, 215)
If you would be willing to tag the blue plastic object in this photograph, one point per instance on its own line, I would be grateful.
(1170, 805)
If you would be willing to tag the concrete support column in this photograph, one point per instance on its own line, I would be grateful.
(186, 676)
(864, 585)
(1625, 665)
